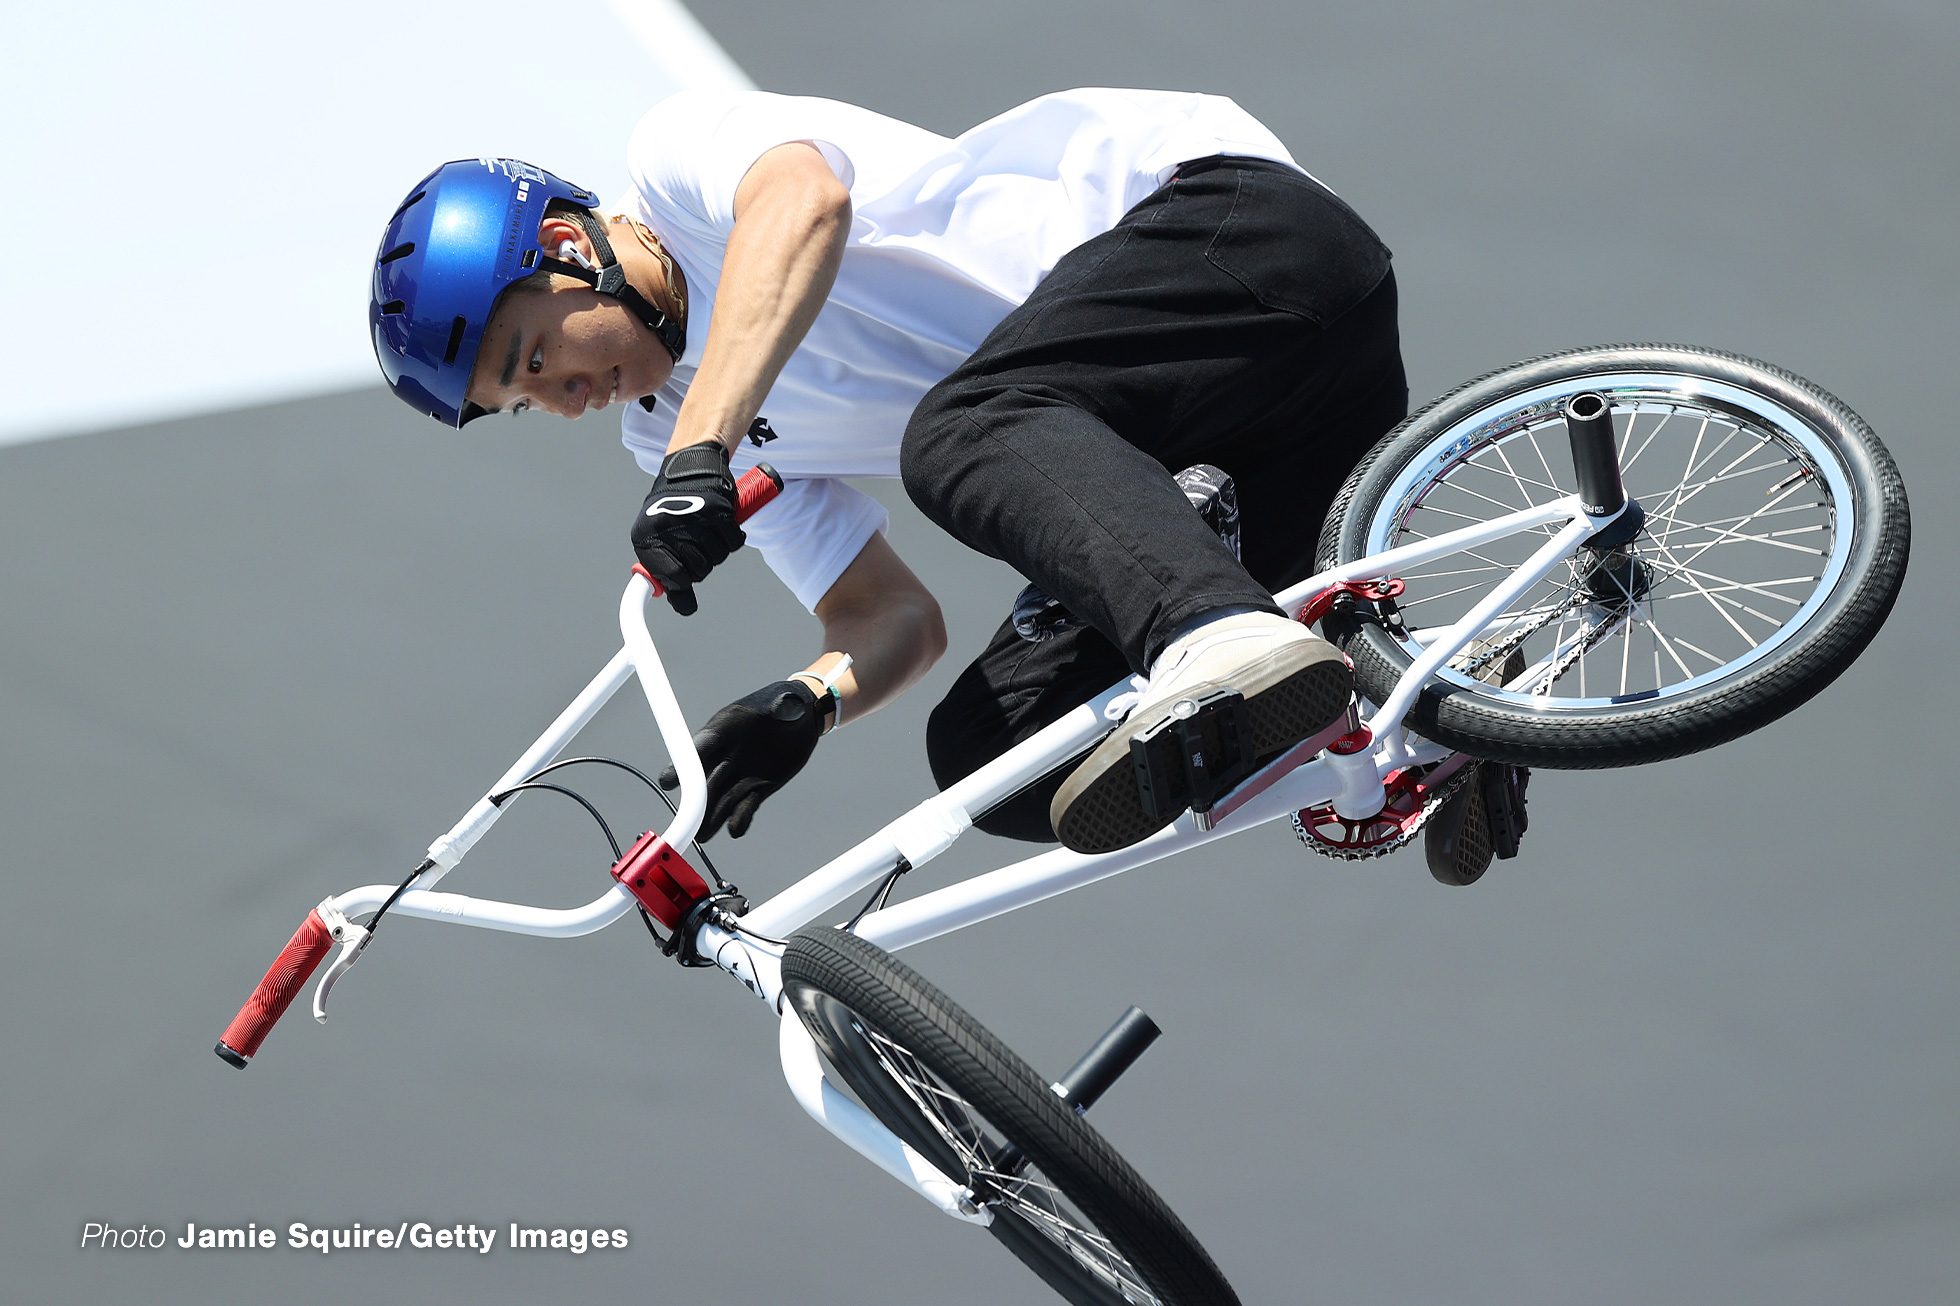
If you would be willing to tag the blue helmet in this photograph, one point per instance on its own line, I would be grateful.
(465, 232)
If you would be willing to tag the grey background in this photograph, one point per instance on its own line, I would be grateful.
(1696, 1043)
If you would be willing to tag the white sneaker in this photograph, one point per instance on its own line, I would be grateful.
(1295, 685)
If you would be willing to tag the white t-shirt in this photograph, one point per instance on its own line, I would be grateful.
(947, 236)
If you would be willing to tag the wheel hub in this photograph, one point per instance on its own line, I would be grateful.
(1615, 576)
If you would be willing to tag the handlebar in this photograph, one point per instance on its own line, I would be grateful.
(315, 938)
(296, 964)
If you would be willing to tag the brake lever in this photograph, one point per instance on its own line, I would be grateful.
(353, 940)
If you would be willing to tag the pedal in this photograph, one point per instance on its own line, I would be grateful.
(1196, 756)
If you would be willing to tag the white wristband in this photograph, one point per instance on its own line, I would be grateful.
(827, 682)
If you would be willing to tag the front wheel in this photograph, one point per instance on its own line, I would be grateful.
(1062, 1200)
(1774, 543)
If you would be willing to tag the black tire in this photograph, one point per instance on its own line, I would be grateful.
(1076, 1214)
(1785, 449)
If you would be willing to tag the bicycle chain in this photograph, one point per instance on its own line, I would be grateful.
(1584, 645)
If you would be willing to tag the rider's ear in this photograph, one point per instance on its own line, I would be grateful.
(555, 231)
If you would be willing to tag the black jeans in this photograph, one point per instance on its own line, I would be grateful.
(1241, 316)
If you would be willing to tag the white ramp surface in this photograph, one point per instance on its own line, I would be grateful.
(203, 184)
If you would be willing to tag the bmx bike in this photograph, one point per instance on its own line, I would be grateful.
(1596, 558)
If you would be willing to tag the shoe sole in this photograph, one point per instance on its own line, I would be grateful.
(1099, 808)
(1457, 844)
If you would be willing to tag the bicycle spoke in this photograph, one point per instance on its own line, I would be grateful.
(1038, 1202)
(1666, 644)
(1674, 497)
(1626, 463)
(1700, 435)
(1430, 507)
(1724, 613)
(1774, 623)
(1431, 598)
(1681, 498)
(1626, 652)
(1739, 517)
(1704, 652)
(1507, 507)
(1735, 535)
(1461, 571)
(1754, 587)
(1517, 476)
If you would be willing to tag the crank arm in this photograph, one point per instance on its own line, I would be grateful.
(1270, 774)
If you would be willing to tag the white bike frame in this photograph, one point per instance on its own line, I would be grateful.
(1352, 782)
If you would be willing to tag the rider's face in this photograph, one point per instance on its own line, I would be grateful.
(567, 350)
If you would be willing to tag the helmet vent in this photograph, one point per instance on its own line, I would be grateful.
(408, 203)
(455, 341)
(399, 251)
(395, 306)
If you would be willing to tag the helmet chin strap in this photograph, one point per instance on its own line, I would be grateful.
(609, 278)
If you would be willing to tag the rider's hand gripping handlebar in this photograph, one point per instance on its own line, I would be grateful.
(757, 486)
(325, 925)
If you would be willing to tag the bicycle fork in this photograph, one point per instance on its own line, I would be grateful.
(1084, 1083)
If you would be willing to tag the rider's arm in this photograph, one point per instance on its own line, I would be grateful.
(792, 217)
(877, 612)
(880, 614)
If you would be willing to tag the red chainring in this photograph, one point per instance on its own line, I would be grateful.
(1397, 820)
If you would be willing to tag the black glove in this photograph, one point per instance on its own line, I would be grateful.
(751, 748)
(687, 526)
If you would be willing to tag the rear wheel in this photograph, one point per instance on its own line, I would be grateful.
(1061, 1199)
(1774, 544)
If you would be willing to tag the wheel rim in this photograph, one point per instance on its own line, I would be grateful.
(1025, 1193)
(1743, 540)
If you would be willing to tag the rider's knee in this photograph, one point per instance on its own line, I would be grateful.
(925, 454)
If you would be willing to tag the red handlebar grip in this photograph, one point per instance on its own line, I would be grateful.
(759, 484)
(297, 962)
